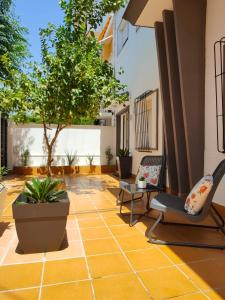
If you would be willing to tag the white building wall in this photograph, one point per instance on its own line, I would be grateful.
(82, 140)
(215, 29)
(138, 59)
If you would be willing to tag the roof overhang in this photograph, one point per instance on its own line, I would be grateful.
(146, 12)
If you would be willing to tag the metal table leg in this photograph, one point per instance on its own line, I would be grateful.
(121, 201)
(131, 211)
(148, 201)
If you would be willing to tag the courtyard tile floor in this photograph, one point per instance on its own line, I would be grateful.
(106, 259)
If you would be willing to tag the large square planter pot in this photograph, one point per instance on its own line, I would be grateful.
(124, 164)
(41, 227)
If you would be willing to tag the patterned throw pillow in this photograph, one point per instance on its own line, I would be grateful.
(197, 197)
(150, 173)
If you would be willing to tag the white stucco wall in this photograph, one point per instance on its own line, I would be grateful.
(84, 140)
(215, 29)
(138, 59)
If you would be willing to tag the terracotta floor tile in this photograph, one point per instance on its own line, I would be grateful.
(71, 223)
(19, 276)
(87, 216)
(121, 287)
(125, 230)
(109, 213)
(2, 252)
(5, 226)
(187, 254)
(71, 217)
(204, 236)
(101, 246)
(95, 233)
(94, 222)
(103, 204)
(216, 294)
(147, 259)
(203, 273)
(74, 250)
(111, 271)
(167, 283)
(85, 205)
(115, 220)
(6, 238)
(195, 296)
(104, 265)
(73, 234)
(133, 242)
(142, 226)
(31, 294)
(13, 257)
(8, 211)
(65, 270)
(78, 290)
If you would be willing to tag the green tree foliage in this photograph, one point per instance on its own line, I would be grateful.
(13, 44)
(73, 82)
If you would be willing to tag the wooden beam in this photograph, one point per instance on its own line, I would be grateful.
(134, 10)
(167, 114)
(176, 104)
(190, 25)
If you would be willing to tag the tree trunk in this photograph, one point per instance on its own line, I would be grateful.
(50, 144)
(49, 161)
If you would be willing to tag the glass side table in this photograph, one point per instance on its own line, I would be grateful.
(136, 194)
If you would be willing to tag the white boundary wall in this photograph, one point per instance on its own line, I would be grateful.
(84, 140)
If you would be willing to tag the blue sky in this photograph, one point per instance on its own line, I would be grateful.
(35, 14)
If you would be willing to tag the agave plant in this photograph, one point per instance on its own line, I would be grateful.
(43, 190)
(71, 158)
(25, 157)
(124, 152)
(90, 159)
(109, 155)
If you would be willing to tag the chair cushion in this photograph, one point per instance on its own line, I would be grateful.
(150, 173)
(198, 195)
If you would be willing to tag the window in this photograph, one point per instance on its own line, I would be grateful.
(146, 121)
(122, 35)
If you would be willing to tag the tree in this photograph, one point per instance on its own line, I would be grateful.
(12, 41)
(72, 81)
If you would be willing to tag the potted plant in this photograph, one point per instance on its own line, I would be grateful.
(71, 161)
(109, 155)
(3, 172)
(142, 183)
(124, 163)
(25, 157)
(40, 214)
